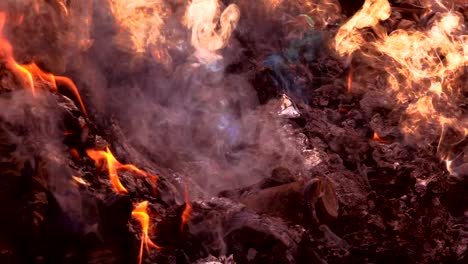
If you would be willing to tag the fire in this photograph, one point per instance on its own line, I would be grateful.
(422, 66)
(348, 39)
(80, 180)
(30, 72)
(209, 36)
(186, 214)
(142, 20)
(113, 165)
(349, 79)
(376, 137)
(140, 213)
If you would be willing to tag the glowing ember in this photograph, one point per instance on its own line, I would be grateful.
(113, 165)
(31, 71)
(186, 215)
(140, 213)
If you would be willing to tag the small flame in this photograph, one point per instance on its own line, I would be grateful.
(29, 71)
(349, 79)
(376, 137)
(80, 180)
(75, 154)
(187, 214)
(448, 163)
(140, 213)
(113, 165)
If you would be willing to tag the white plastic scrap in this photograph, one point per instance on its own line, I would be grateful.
(214, 260)
(312, 158)
(288, 108)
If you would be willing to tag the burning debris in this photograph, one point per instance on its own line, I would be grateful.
(267, 132)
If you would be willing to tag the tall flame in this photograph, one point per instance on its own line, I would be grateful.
(422, 65)
(140, 213)
(28, 72)
(113, 165)
(187, 213)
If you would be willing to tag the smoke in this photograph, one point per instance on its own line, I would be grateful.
(31, 129)
(165, 73)
(192, 115)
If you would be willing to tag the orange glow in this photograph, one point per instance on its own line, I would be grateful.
(349, 79)
(140, 213)
(343, 110)
(29, 72)
(36, 6)
(75, 154)
(113, 165)
(376, 137)
(187, 214)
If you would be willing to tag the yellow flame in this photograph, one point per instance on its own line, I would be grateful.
(422, 66)
(141, 20)
(348, 39)
(202, 17)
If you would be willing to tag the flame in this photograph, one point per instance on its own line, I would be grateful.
(187, 213)
(422, 66)
(376, 137)
(209, 36)
(348, 39)
(80, 180)
(140, 213)
(113, 165)
(349, 79)
(142, 20)
(29, 72)
(75, 154)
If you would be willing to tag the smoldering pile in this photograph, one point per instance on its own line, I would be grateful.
(267, 146)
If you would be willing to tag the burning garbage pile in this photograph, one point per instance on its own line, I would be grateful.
(210, 131)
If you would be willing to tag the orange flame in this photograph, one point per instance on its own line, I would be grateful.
(187, 213)
(423, 66)
(376, 137)
(349, 79)
(142, 21)
(140, 213)
(113, 165)
(29, 71)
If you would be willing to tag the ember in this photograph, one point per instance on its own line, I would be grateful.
(307, 131)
